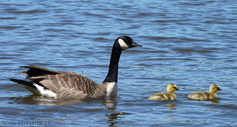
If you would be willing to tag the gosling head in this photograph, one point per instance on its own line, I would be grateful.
(125, 42)
(214, 88)
(171, 88)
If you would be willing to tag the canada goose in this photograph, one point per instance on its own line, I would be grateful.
(203, 96)
(169, 95)
(70, 85)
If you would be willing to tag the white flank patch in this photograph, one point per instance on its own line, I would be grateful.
(45, 92)
(123, 44)
(112, 88)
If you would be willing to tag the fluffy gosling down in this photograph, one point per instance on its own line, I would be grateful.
(169, 95)
(204, 96)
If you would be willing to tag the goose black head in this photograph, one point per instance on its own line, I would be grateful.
(126, 42)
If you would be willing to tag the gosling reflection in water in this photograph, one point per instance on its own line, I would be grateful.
(171, 106)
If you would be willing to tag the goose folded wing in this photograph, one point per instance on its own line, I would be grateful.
(69, 85)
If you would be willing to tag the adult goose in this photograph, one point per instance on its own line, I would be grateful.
(169, 95)
(70, 85)
(204, 96)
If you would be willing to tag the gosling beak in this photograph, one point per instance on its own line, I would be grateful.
(176, 88)
(218, 89)
(134, 44)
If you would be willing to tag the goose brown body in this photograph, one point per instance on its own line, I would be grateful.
(65, 84)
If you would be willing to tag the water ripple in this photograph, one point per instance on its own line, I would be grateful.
(190, 43)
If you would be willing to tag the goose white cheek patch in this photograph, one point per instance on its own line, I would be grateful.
(123, 44)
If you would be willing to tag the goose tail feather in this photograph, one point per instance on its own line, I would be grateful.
(23, 82)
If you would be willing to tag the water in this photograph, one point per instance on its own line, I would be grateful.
(189, 43)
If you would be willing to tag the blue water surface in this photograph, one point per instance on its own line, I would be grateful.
(186, 42)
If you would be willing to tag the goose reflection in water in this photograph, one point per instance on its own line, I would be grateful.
(109, 102)
(113, 119)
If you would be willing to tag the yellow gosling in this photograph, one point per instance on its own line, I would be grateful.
(204, 96)
(169, 95)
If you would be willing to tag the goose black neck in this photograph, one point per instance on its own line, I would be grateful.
(112, 75)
